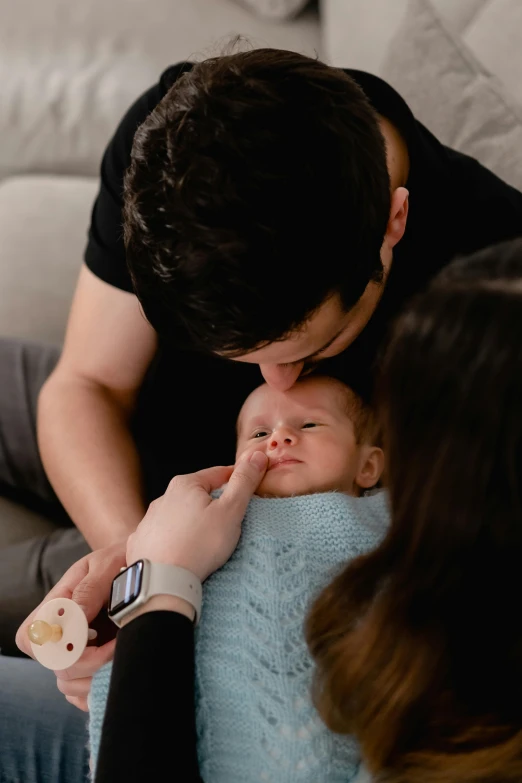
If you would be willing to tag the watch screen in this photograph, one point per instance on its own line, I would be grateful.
(126, 588)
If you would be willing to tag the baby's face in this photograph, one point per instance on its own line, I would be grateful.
(308, 436)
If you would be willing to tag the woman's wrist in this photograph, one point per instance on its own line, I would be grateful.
(162, 603)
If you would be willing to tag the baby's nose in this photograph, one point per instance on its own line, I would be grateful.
(284, 437)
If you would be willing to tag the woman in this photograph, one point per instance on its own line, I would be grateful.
(419, 644)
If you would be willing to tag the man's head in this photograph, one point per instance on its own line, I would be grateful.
(259, 218)
(318, 437)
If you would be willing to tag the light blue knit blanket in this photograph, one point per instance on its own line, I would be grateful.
(256, 722)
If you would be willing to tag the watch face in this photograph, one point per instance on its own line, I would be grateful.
(126, 588)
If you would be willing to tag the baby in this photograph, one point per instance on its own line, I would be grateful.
(318, 437)
(255, 718)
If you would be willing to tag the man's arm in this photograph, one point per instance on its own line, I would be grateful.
(84, 410)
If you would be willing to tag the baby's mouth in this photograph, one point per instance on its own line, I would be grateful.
(281, 462)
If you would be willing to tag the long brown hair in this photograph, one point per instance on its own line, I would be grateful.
(418, 644)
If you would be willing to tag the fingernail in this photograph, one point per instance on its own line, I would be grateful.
(259, 460)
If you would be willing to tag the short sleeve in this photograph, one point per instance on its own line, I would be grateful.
(105, 251)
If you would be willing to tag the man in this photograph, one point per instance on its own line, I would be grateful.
(277, 213)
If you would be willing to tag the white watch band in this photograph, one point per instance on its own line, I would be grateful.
(165, 579)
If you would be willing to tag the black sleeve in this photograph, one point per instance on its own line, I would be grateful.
(105, 251)
(149, 730)
(474, 206)
(488, 210)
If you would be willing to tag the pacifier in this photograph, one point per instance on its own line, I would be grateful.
(59, 634)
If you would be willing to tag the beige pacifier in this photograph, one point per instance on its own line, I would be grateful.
(59, 634)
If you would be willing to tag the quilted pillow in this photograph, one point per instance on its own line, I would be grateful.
(453, 94)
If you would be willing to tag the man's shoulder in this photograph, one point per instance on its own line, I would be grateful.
(171, 74)
(386, 101)
(148, 101)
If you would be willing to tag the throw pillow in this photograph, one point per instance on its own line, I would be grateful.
(453, 94)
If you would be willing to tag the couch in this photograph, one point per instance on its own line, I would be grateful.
(69, 70)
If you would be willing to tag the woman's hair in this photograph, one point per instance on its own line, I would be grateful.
(419, 644)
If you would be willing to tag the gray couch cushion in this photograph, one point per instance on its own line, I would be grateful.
(453, 94)
(43, 228)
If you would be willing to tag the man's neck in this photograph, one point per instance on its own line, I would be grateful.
(397, 157)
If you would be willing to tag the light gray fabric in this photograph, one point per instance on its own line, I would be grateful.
(494, 35)
(43, 231)
(462, 13)
(452, 93)
(275, 9)
(358, 33)
(70, 70)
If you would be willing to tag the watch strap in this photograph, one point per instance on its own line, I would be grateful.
(166, 579)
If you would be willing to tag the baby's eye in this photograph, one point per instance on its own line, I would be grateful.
(309, 424)
(260, 434)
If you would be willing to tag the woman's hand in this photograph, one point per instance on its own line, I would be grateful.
(188, 528)
(185, 527)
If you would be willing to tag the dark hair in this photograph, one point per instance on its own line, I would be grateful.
(362, 415)
(419, 644)
(257, 188)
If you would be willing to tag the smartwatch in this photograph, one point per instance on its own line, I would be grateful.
(142, 580)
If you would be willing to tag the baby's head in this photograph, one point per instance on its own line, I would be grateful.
(318, 437)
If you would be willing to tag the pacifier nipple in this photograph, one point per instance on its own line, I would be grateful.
(59, 634)
(41, 632)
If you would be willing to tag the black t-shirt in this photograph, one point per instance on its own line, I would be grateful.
(189, 402)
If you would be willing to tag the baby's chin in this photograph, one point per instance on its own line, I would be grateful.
(289, 486)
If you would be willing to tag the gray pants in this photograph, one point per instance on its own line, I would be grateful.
(28, 569)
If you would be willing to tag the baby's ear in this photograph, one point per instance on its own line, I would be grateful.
(371, 467)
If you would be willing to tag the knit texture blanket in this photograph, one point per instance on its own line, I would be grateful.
(255, 718)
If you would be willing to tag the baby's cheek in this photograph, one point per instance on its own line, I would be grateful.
(328, 458)
(333, 468)
(244, 451)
